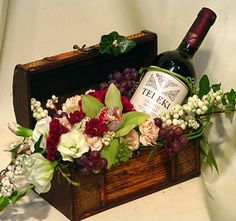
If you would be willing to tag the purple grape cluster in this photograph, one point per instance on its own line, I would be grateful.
(125, 81)
(91, 162)
(173, 138)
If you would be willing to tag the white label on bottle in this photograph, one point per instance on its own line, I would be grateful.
(158, 92)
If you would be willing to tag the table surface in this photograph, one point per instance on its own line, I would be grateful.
(184, 201)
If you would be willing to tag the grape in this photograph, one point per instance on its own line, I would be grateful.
(158, 122)
(95, 155)
(162, 133)
(103, 163)
(125, 81)
(170, 132)
(82, 160)
(84, 170)
(123, 84)
(172, 138)
(103, 85)
(175, 145)
(91, 162)
(178, 131)
(183, 140)
(117, 76)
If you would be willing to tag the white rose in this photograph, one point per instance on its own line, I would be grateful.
(39, 172)
(41, 128)
(72, 145)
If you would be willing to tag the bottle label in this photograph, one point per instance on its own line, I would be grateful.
(158, 92)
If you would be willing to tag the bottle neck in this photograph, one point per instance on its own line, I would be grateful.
(197, 32)
(187, 48)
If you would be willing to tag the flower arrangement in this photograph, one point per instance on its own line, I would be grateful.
(99, 129)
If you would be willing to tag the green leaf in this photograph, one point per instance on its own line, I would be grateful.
(91, 105)
(113, 97)
(15, 196)
(115, 44)
(109, 152)
(131, 120)
(37, 147)
(216, 87)
(204, 86)
(231, 98)
(4, 202)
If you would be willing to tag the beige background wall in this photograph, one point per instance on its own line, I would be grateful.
(40, 28)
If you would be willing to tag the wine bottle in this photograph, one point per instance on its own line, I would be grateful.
(164, 83)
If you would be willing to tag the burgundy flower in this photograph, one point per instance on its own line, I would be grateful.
(95, 127)
(127, 105)
(75, 117)
(55, 131)
(100, 95)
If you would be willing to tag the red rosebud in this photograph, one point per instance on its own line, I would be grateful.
(127, 105)
(100, 95)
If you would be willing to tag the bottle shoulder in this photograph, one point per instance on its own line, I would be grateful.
(176, 61)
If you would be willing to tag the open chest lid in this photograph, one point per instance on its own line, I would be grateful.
(73, 73)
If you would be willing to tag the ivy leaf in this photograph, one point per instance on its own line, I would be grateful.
(115, 44)
(91, 105)
(216, 87)
(231, 96)
(131, 120)
(113, 97)
(109, 152)
(204, 86)
(4, 202)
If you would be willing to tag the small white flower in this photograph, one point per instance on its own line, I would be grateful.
(72, 145)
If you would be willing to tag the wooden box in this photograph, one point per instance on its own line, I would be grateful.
(73, 73)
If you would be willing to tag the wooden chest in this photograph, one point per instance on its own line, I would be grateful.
(73, 73)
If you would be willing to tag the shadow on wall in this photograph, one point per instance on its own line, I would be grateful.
(201, 60)
(220, 188)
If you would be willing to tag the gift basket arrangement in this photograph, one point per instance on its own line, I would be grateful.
(84, 147)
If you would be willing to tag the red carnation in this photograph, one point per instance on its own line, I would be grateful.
(75, 117)
(100, 95)
(95, 127)
(55, 131)
(127, 105)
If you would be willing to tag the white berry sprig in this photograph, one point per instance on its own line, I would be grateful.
(38, 111)
(51, 103)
